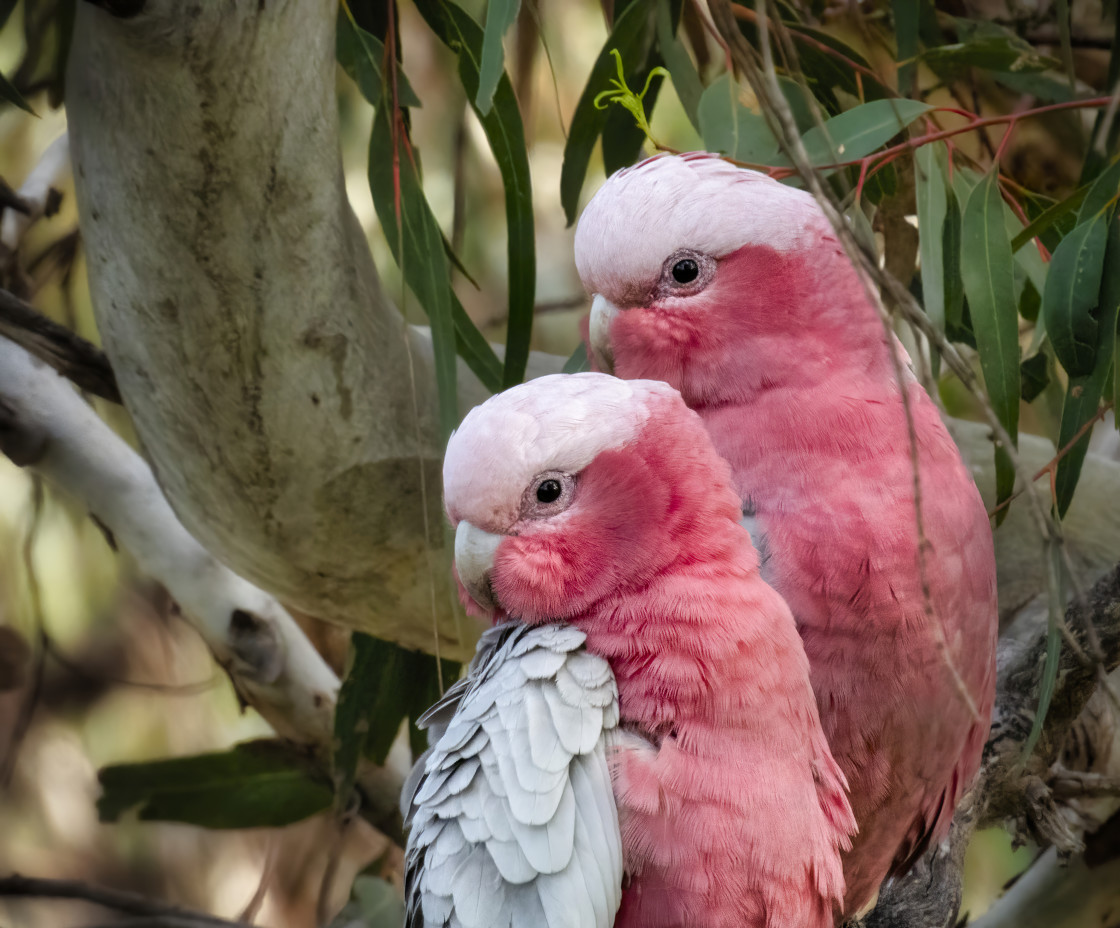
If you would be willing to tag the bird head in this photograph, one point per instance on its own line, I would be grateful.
(688, 259)
(570, 487)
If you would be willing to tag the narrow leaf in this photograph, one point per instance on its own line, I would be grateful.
(259, 784)
(578, 361)
(505, 134)
(686, 80)
(906, 20)
(9, 94)
(500, 15)
(630, 37)
(1055, 599)
(418, 249)
(1048, 217)
(987, 270)
(1084, 394)
(1102, 193)
(361, 55)
(861, 130)
(1070, 301)
(931, 192)
(384, 684)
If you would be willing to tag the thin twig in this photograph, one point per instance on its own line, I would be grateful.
(1053, 462)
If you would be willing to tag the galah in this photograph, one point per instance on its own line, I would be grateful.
(590, 506)
(733, 288)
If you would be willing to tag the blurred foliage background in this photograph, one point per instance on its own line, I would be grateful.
(95, 666)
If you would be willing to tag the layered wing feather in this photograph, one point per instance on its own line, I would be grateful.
(513, 821)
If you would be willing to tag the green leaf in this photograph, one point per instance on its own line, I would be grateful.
(416, 242)
(1043, 85)
(1056, 598)
(475, 349)
(1048, 217)
(728, 127)
(1034, 376)
(987, 269)
(500, 15)
(505, 134)
(259, 784)
(384, 684)
(988, 46)
(906, 21)
(1102, 192)
(374, 903)
(931, 190)
(1084, 394)
(1070, 301)
(630, 37)
(9, 94)
(951, 254)
(578, 361)
(361, 55)
(861, 130)
(686, 80)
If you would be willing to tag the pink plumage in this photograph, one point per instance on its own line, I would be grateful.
(732, 811)
(732, 288)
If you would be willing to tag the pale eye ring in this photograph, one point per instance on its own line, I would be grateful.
(548, 494)
(686, 272)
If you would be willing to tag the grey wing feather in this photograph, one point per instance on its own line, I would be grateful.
(513, 821)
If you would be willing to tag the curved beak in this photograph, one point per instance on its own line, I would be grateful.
(603, 312)
(474, 559)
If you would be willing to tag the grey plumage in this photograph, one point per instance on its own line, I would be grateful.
(513, 822)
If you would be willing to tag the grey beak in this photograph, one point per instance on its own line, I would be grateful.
(474, 560)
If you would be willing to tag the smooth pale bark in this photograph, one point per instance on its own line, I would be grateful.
(267, 373)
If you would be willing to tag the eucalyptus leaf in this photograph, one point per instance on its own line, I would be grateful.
(500, 15)
(728, 127)
(682, 71)
(861, 130)
(1084, 393)
(416, 242)
(987, 270)
(258, 784)
(630, 37)
(361, 55)
(505, 134)
(1070, 301)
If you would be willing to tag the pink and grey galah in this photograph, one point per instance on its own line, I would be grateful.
(733, 288)
(637, 742)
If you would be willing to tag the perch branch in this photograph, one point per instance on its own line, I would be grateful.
(69, 354)
(16, 886)
(49, 428)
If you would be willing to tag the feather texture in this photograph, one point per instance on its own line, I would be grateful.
(513, 823)
(778, 348)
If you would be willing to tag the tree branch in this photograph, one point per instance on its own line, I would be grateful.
(288, 411)
(69, 354)
(49, 428)
(14, 887)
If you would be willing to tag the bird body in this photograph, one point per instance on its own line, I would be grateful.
(733, 289)
(601, 504)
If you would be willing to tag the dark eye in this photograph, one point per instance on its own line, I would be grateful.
(686, 271)
(548, 491)
(548, 494)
